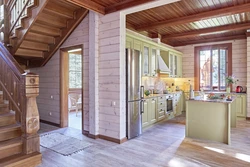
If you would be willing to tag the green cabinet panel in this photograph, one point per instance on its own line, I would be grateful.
(241, 105)
(174, 63)
(129, 43)
(161, 108)
(152, 111)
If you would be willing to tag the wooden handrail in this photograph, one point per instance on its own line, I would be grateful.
(21, 90)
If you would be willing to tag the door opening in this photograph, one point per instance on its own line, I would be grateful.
(71, 87)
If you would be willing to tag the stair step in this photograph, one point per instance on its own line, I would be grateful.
(4, 108)
(10, 132)
(1, 97)
(10, 147)
(22, 160)
(7, 119)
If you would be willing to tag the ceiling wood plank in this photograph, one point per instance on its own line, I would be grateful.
(196, 17)
(231, 27)
(234, 37)
(89, 5)
(124, 5)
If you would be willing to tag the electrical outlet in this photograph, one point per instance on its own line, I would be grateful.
(52, 97)
(50, 113)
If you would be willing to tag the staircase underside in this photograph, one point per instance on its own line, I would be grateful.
(47, 25)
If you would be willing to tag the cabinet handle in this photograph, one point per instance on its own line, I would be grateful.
(142, 106)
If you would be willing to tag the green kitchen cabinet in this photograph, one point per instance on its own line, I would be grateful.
(145, 114)
(241, 105)
(161, 107)
(174, 63)
(153, 61)
(152, 110)
(129, 43)
(179, 66)
(145, 60)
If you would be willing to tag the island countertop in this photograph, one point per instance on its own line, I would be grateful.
(206, 99)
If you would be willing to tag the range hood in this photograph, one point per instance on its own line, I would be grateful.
(162, 66)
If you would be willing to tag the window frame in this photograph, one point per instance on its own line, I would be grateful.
(197, 50)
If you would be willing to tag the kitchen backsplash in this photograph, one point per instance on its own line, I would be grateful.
(182, 83)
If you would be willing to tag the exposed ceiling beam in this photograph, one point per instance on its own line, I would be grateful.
(234, 37)
(196, 17)
(124, 5)
(88, 4)
(231, 27)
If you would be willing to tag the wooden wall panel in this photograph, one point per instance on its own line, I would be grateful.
(111, 104)
(239, 60)
(248, 76)
(49, 78)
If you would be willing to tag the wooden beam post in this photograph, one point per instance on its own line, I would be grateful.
(30, 117)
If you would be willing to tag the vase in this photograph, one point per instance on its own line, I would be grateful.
(228, 89)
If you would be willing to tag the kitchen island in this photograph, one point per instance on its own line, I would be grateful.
(210, 119)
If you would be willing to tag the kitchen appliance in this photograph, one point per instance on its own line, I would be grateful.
(239, 89)
(169, 103)
(134, 93)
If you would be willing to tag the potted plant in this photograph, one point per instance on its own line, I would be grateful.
(229, 81)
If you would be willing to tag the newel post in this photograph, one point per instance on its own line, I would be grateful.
(31, 124)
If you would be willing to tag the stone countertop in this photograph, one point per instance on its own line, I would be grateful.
(159, 95)
(221, 92)
(206, 99)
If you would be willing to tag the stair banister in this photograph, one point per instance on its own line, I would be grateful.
(21, 90)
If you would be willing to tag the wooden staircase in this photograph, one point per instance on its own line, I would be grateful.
(38, 33)
(11, 145)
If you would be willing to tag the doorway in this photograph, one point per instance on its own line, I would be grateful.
(71, 87)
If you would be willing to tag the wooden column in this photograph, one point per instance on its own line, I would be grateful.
(30, 117)
(93, 75)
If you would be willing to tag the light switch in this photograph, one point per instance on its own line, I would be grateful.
(52, 97)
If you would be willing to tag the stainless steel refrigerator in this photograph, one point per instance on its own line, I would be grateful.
(134, 93)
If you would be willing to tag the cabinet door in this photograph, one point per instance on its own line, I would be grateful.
(152, 111)
(179, 66)
(138, 45)
(145, 65)
(145, 115)
(153, 63)
(241, 106)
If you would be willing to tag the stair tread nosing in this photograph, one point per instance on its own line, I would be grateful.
(10, 132)
(7, 114)
(10, 143)
(20, 160)
(3, 105)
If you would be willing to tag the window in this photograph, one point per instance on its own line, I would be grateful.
(212, 65)
(75, 69)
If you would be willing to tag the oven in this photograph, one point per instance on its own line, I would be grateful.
(169, 103)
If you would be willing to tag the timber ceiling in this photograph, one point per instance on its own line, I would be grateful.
(193, 21)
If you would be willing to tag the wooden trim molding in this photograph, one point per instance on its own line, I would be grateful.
(119, 141)
(50, 123)
(197, 61)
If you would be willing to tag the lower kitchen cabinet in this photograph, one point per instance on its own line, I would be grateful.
(152, 111)
(241, 105)
(161, 107)
(178, 103)
(149, 115)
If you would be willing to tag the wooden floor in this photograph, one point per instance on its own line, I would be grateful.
(163, 144)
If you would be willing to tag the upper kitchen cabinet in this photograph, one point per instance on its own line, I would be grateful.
(153, 61)
(174, 63)
(150, 51)
(145, 60)
(129, 43)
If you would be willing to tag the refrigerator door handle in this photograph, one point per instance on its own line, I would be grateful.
(142, 92)
(142, 106)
